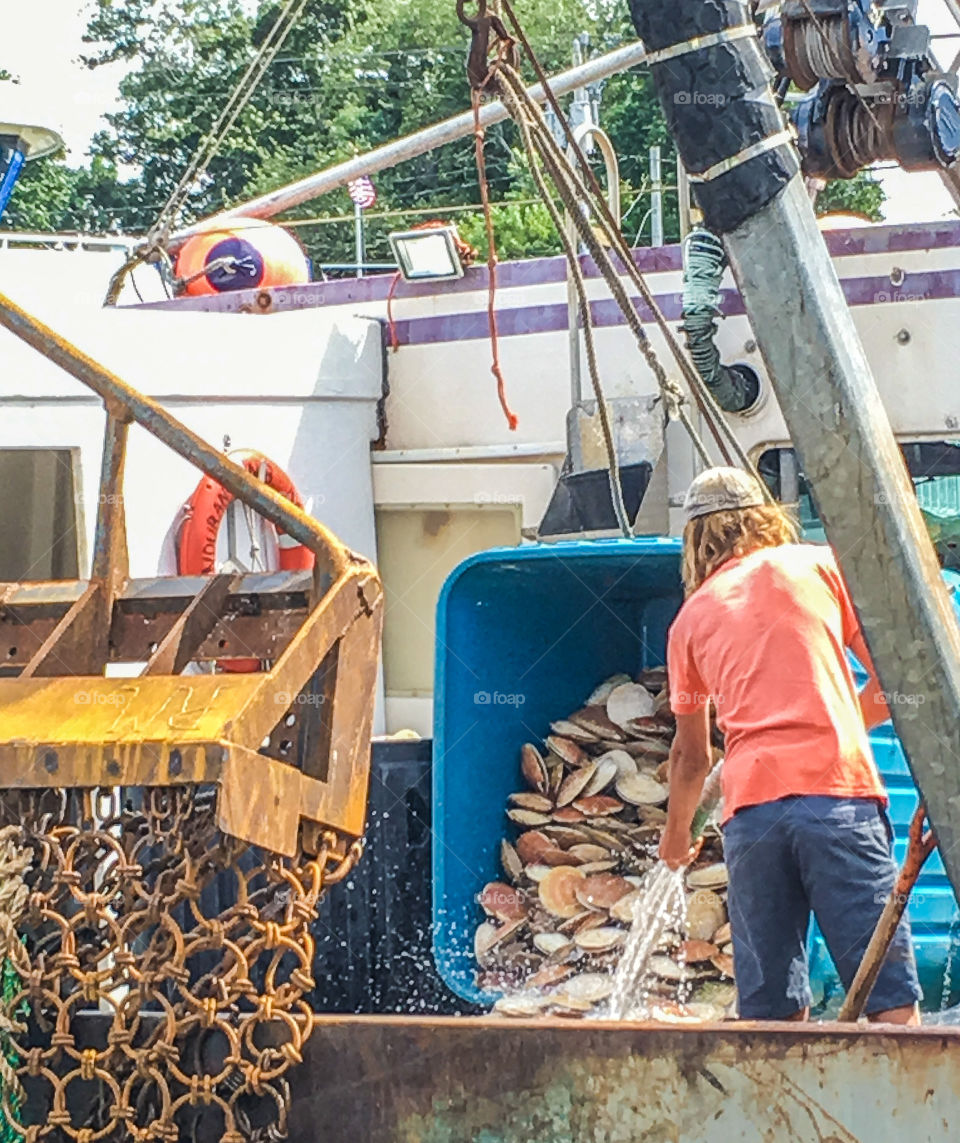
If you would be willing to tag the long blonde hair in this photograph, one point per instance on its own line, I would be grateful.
(709, 541)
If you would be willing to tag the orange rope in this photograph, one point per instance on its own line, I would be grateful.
(495, 367)
(394, 341)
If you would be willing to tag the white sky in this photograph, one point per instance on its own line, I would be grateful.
(42, 42)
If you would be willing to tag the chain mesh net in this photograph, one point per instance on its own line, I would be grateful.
(167, 969)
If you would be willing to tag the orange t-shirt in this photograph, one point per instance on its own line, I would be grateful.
(764, 637)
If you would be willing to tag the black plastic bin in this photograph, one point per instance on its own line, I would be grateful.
(374, 940)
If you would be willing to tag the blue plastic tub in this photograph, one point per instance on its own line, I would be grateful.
(523, 635)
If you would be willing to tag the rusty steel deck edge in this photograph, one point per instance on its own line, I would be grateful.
(484, 1080)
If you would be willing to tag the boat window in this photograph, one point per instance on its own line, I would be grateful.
(38, 515)
(934, 467)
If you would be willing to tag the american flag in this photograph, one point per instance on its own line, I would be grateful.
(363, 192)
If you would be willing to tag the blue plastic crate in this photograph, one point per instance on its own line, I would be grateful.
(523, 634)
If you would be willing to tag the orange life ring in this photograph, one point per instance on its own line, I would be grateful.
(205, 510)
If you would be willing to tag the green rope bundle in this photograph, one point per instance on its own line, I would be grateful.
(10, 987)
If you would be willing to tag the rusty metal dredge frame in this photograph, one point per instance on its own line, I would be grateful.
(174, 832)
(320, 633)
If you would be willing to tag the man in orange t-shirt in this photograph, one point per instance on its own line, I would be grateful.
(763, 636)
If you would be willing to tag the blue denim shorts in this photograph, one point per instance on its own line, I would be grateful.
(829, 856)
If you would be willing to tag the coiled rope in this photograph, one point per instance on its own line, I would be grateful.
(704, 261)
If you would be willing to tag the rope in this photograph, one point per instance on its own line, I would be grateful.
(704, 261)
(14, 862)
(572, 192)
(238, 100)
(391, 322)
(586, 319)
(705, 401)
(479, 137)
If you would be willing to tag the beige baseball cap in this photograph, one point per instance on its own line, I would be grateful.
(720, 490)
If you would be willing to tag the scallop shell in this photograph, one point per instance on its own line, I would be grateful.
(600, 939)
(601, 693)
(598, 805)
(549, 975)
(552, 944)
(654, 677)
(723, 935)
(724, 962)
(485, 939)
(623, 909)
(598, 866)
(531, 845)
(562, 1004)
(575, 784)
(558, 891)
(533, 768)
(667, 969)
(530, 801)
(589, 852)
(630, 702)
(568, 750)
(521, 1005)
(565, 836)
(573, 730)
(528, 817)
(489, 935)
(591, 919)
(625, 762)
(641, 790)
(536, 873)
(603, 774)
(602, 891)
(708, 877)
(705, 914)
(693, 952)
(592, 986)
(594, 721)
(502, 901)
(568, 815)
(510, 860)
(719, 992)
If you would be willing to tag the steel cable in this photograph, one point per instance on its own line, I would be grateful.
(705, 401)
(586, 320)
(570, 194)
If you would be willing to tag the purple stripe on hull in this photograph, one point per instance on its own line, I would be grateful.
(544, 272)
(553, 318)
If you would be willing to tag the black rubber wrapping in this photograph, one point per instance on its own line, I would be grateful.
(717, 102)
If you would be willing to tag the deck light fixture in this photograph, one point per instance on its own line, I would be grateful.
(427, 255)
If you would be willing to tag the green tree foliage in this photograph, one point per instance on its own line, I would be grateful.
(351, 75)
(860, 195)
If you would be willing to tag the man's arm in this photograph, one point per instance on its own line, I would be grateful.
(873, 703)
(690, 763)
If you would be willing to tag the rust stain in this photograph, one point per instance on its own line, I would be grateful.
(490, 1081)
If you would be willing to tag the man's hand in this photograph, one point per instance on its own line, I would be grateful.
(676, 850)
(690, 761)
